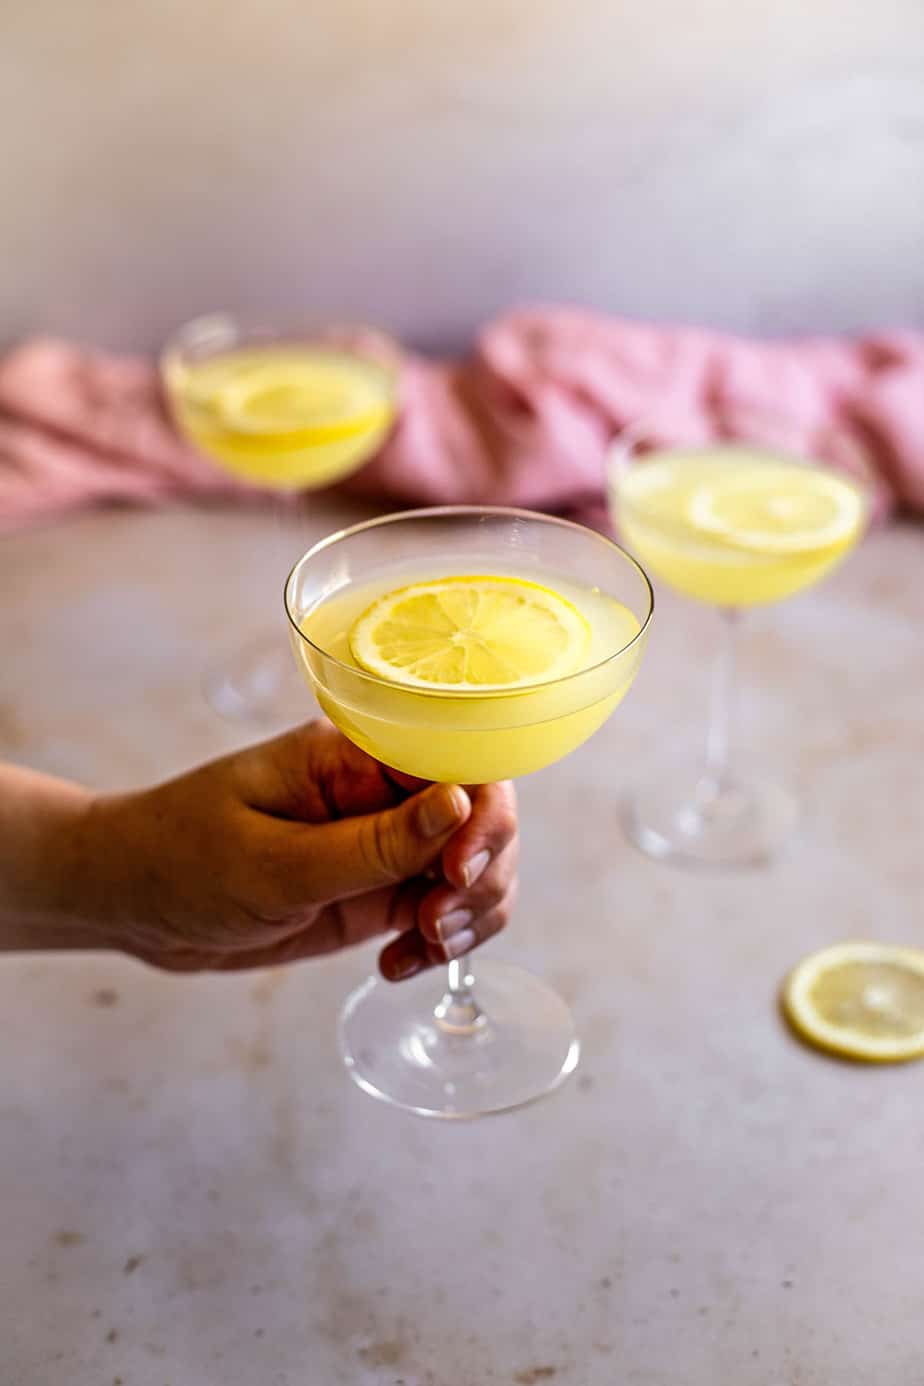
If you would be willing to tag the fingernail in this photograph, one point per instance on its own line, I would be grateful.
(405, 967)
(474, 866)
(453, 921)
(440, 809)
(459, 943)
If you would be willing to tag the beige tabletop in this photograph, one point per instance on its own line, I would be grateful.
(192, 1193)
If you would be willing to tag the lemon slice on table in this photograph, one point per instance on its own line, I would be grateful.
(471, 633)
(860, 1000)
(325, 394)
(782, 510)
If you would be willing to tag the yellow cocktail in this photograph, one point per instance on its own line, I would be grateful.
(467, 735)
(735, 526)
(282, 414)
(466, 645)
(288, 410)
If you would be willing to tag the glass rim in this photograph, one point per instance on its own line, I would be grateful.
(235, 329)
(622, 453)
(459, 512)
(618, 468)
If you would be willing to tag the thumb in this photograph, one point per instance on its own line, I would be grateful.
(353, 855)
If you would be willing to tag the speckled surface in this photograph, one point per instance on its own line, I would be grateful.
(192, 1192)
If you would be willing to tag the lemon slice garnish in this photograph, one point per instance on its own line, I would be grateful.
(325, 394)
(777, 509)
(471, 633)
(861, 1000)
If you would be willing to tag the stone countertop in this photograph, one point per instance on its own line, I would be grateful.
(194, 1194)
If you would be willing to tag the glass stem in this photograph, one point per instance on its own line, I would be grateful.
(458, 1013)
(719, 735)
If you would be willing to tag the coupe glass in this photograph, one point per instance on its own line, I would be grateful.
(457, 1048)
(284, 454)
(706, 811)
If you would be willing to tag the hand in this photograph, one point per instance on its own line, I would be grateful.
(300, 846)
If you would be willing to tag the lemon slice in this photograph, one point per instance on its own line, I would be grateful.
(467, 633)
(326, 394)
(778, 509)
(861, 1000)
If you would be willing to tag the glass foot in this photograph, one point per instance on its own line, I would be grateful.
(248, 686)
(407, 1044)
(737, 823)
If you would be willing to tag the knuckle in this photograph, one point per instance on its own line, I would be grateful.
(507, 863)
(490, 925)
(495, 902)
(493, 891)
(508, 904)
(506, 823)
(495, 883)
(379, 845)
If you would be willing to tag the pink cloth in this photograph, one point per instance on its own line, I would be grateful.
(525, 420)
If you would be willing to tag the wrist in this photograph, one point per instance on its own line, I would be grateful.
(116, 891)
(57, 885)
(90, 892)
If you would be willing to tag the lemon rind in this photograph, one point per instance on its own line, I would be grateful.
(843, 1041)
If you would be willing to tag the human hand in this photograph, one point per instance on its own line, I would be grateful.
(300, 846)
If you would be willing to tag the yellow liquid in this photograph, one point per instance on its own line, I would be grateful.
(467, 738)
(303, 436)
(652, 504)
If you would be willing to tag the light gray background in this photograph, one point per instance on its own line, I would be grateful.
(425, 165)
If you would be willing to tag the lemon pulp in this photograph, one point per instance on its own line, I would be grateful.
(476, 632)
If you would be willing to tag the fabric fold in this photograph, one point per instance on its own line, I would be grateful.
(526, 419)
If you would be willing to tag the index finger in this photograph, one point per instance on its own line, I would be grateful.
(491, 826)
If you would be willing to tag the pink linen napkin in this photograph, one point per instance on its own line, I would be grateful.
(525, 420)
